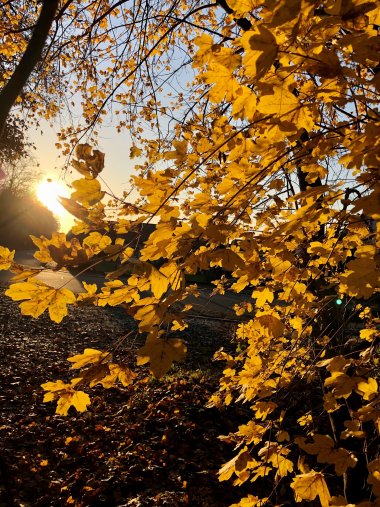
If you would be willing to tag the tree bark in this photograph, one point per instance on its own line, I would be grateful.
(29, 60)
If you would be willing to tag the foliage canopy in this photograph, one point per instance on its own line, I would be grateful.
(270, 171)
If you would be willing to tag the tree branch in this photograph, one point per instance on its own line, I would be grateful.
(29, 60)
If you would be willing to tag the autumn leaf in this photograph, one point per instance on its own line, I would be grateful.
(87, 192)
(119, 373)
(260, 51)
(66, 395)
(309, 486)
(6, 257)
(89, 356)
(40, 297)
(238, 463)
(74, 208)
(78, 399)
(135, 152)
(161, 353)
(94, 160)
(367, 388)
(360, 278)
(262, 296)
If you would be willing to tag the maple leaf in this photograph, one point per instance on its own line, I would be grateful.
(74, 208)
(66, 395)
(161, 353)
(243, 7)
(90, 295)
(135, 152)
(238, 463)
(252, 432)
(119, 373)
(361, 277)
(263, 295)
(96, 242)
(89, 356)
(87, 192)
(323, 447)
(78, 399)
(225, 85)
(287, 107)
(40, 297)
(367, 388)
(115, 293)
(94, 160)
(353, 430)
(309, 486)
(250, 500)
(6, 257)
(260, 51)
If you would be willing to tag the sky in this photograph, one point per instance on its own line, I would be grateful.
(118, 166)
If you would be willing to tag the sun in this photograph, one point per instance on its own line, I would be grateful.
(48, 193)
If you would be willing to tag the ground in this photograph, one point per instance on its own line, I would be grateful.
(150, 444)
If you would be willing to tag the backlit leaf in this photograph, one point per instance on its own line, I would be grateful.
(161, 353)
(40, 297)
(309, 486)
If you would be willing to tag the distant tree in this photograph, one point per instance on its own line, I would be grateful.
(22, 215)
(19, 176)
(14, 143)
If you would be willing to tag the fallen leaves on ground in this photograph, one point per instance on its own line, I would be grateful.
(151, 443)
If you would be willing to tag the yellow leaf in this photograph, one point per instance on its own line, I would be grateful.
(367, 388)
(77, 399)
(89, 356)
(74, 208)
(263, 295)
(117, 372)
(368, 334)
(96, 242)
(23, 274)
(353, 430)
(225, 85)
(252, 432)
(284, 465)
(250, 501)
(6, 257)
(40, 297)
(161, 353)
(90, 294)
(159, 282)
(244, 103)
(260, 51)
(66, 395)
(87, 192)
(323, 447)
(174, 275)
(115, 293)
(135, 152)
(309, 486)
(263, 409)
(150, 315)
(342, 385)
(238, 463)
(361, 277)
(286, 107)
(94, 160)
(243, 7)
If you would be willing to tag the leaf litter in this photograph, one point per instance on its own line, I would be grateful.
(151, 443)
